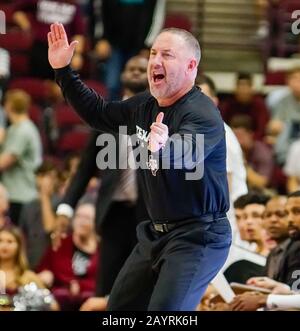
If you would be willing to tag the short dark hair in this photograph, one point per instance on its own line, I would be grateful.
(252, 197)
(295, 194)
(203, 79)
(244, 76)
(242, 121)
(45, 167)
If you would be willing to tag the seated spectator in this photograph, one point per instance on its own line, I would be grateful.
(286, 116)
(241, 239)
(13, 261)
(292, 167)
(245, 102)
(245, 261)
(252, 218)
(37, 219)
(21, 153)
(71, 269)
(257, 155)
(284, 259)
(276, 226)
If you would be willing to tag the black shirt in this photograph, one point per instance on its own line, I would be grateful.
(168, 195)
(80, 262)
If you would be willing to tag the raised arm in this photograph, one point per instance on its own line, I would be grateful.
(90, 106)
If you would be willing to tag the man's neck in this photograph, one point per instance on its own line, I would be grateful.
(170, 101)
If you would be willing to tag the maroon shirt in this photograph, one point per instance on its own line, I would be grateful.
(256, 110)
(60, 264)
(260, 159)
(42, 13)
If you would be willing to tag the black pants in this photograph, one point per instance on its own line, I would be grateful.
(171, 271)
(118, 238)
(15, 212)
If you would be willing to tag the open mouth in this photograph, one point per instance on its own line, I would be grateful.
(158, 77)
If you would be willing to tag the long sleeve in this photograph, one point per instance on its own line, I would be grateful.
(91, 107)
(197, 136)
(283, 302)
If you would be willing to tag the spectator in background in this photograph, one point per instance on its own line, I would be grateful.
(257, 155)
(4, 207)
(236, 171)
(288, 260)
(37, 219)
(128, 28)
(71, 269)
(21, 153)
(286, 116)
(35, 16)
(282, 261)
(276, 226)
(292, 167)
(245, 102)
(252, 214)
(242, 239)
(13, 261)
(4, 76)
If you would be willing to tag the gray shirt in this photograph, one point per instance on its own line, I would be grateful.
(23, 141)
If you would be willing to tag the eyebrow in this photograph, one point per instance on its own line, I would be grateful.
(163, 50)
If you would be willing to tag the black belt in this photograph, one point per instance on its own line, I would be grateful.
(167, 227)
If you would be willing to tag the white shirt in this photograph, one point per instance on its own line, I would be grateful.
(236, 169)
(292, 165)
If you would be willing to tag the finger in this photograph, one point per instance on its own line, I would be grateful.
(50, 42)
(73, 45)
(62, 32)
(238, 306)
(53, 37)
(160, 125)
(56, 30)
(251, 281)
(157, 130)
(156, 138)
(160, 117)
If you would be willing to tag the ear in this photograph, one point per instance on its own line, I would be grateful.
(192, 65)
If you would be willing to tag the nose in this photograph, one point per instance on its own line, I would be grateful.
(156, 60)
(273, 219)
(248, 221)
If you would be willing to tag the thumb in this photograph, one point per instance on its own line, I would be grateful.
(73, 45)
(160, 117)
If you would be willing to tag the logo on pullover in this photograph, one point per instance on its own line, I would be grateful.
(142, 135)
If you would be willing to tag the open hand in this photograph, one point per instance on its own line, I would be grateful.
(60, 52)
